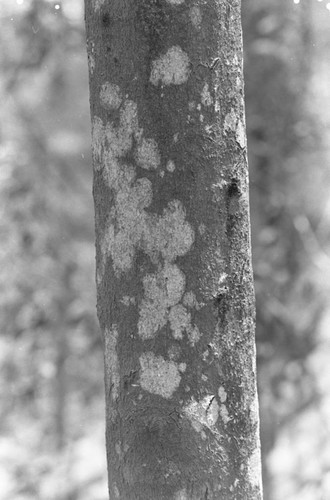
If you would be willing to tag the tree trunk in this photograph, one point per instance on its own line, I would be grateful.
(174, 281)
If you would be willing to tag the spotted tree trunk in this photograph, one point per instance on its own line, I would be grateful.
(174, 281)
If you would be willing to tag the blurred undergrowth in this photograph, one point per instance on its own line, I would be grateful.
(51, 360)
(52, 410)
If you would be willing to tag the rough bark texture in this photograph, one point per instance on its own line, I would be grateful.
(174, 279)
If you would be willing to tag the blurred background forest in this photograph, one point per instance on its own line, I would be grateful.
(51, 365)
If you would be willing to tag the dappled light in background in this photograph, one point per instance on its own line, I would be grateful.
(287, 77)
(52, 409)
(52, 397)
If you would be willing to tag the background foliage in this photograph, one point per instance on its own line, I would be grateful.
(51, 398)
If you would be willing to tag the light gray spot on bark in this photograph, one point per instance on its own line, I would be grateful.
(179, 320)
(110, 96)
(128, 301)
(171, 68)
(159, 376)
(162, 290)
(222, 394)
(224, 414)
(170, 166)
(174, 352)
(147, 154)
(181, 495)
(129, 225)
(206, 96)
(195, 16)
(202, 413)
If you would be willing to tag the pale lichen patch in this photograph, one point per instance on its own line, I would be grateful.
(202, 413)
(152, 318)
(159, 376)
(180, 322)
(162, 290)
(128, 301)
(112, 362)
(181, 495)
(129, 119)
(130, 218)
(147, 155)
(190, 300)
(170, 166)
(230, 121)
(206, 97)
(110, 143)
(168, 235)
(224, 414)
(222, 394)
(118, 143)
(179, 319)
(195, 16)
(130, 227)
(193, 334)
(172, 281)
(110, 96)
(171, 68)
(174, 352)
(175, 2)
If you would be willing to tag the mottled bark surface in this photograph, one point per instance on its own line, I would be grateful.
(174, 279)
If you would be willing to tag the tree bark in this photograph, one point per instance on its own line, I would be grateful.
(175, 292)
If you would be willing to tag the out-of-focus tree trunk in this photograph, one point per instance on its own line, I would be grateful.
(278, 63)
(174, 279)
